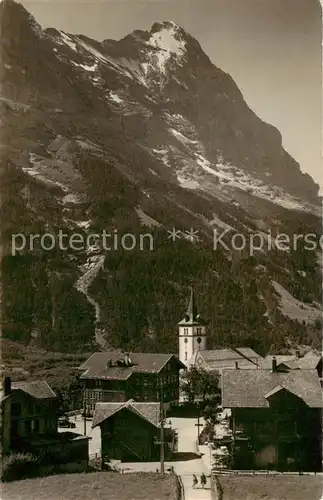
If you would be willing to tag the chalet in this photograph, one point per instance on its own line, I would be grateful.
(29, 425)
(275, 418)
(130, 431)
(115, 377)
(297, 361)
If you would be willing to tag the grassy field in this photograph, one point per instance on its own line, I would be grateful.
(30, 363)
(102, 485)
(271, 487)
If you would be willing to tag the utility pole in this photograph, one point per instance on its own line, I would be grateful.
(84, 417)
(162, 454)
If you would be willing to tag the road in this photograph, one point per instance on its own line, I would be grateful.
(186, 463)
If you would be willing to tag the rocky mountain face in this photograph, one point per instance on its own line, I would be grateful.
(143, 135)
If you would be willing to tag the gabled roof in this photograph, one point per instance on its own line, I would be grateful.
(97, 366)
(249, 388)
(308, 362)
(38, 389)
(148, 411)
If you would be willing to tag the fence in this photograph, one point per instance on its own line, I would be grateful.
(216, 489)
(182, 491)
(228, 472)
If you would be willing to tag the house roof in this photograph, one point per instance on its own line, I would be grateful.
(38, 389)
(97, 366)
(308, 362)
(148, 411)
(249, 388)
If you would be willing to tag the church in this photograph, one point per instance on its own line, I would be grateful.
(193, 350)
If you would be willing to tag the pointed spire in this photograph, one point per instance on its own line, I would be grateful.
(192, 309)
(191, 315)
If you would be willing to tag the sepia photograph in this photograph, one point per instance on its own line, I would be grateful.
(161, 244)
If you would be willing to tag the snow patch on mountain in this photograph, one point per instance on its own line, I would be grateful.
(182, 138)
(187, 183)
(86, 67)
(167, 44)
(162, 155)
(67, 40)
(115, 98)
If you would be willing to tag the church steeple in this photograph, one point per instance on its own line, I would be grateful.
(191, 312)
(192, 334)
(192, 316)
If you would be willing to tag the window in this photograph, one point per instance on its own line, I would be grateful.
(199, 331)
(28, 427)
(100, 395)
(145, 396)
(15, 409)
(185, 356)
(14, 428)
(185, 331)
(35, 425)
(30, 407)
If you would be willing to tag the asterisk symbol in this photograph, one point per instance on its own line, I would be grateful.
(192, 234)
(174, 234)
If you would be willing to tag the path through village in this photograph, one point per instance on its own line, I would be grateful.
(187, 461)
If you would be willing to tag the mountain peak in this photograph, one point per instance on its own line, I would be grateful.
(166, 25)
(167, 40)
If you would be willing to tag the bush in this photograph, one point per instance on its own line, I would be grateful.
(18, 466)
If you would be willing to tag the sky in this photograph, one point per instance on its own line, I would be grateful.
(271, 48)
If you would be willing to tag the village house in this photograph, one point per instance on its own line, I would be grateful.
(275, 418)
(297, 361)
(29, 425)
(115, 377)
(131, 431)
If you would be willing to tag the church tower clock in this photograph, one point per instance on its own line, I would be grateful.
(192, 332)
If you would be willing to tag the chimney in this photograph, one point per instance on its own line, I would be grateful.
(7, 386)
(274, 364)
(298, 353)
(237, 367)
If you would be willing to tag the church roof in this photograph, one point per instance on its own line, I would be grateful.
(192, 317)
(219, 359)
